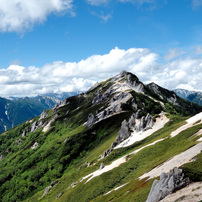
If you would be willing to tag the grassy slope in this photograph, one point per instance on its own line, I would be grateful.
(68, 145)
(127, 172)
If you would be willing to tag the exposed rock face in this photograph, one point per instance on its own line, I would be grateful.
(91, 120)
(102, 97)
(1, 157)
(60, 104)
(167, 184)
(25, 132)
(132, 121)
(135, 84)
(59, 195)
(40, 123)
(164, 93)
(47, 189)
(145, 123)
(124, 132)
(36, 125)
(102, 166)
(43, 115)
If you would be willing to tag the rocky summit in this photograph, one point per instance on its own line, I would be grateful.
(121, 140)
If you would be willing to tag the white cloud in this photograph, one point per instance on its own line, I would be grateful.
(71, 76)
(173, 53)
(21, 15)
(198, 50)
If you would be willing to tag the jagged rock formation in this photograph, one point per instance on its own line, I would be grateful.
(145, 123)
(59, 105)
(91, 120)
(124, 132)
(134, 124)
(40, 123)
(167, 184)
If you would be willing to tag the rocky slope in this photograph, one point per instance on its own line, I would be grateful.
(97, 145)
(17, 110)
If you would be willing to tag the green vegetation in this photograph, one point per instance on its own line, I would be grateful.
(66, 149)
(141, 162)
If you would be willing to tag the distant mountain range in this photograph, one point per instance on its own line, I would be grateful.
(192, 96)
(14, 110)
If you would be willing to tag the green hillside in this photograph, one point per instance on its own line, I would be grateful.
(55, 151)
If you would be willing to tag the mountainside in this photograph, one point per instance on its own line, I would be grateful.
(17, 110)
(192, 96)
(108, 144)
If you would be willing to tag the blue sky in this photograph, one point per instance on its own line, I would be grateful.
(76, 43)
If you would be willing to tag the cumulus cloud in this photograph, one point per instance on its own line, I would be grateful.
(21, 15)
(173, 53)
(61, 76)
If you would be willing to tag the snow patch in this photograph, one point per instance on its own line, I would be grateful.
(116, 188)
(137, 136)
(175, 161)
(115, 163)
(190, 122)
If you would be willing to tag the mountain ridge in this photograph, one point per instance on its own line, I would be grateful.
(51, 157)
(192, 96)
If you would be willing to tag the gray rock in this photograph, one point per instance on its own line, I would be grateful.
(1, 157)
(60, 104)
(124, 132)
(145, 123)
(132, 121)
(91, 120)
(102, 166)
(167, 184)
(47, 189)
(43, 115)
(59, 195)
(53, 183)
(133, 103)
(137, 114)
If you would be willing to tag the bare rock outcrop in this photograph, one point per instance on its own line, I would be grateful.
(124, 132)
(91, 120)
(49, 188)
(167, 184)
(145, 123)
(43, 115)
(102, 166)
(59, 105)
(1, 157)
